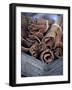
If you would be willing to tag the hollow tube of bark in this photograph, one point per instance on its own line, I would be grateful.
(47, 56)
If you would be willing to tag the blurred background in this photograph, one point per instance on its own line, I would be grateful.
(56, 18)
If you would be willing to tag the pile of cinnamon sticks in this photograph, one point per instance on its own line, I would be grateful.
(41, 38)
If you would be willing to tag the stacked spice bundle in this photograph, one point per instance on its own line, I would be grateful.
(41, 38)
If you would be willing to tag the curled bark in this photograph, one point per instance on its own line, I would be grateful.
(49, 42)
(41, 39)
(34, 38)
(24, 49)
(47, 56)
(58, 51)
(34, 50)
(30, 44)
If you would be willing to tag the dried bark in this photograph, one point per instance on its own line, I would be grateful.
(42, 39)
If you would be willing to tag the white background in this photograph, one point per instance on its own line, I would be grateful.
(4, 44)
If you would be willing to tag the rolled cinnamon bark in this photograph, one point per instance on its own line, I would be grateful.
(40, 26)
(52, 36)
(47, 56)
(24, 49)
(39, 38)
(31, 39)
(49, 42)
(58, 51)
(34, 38)
(34, 50)
(26, 43)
